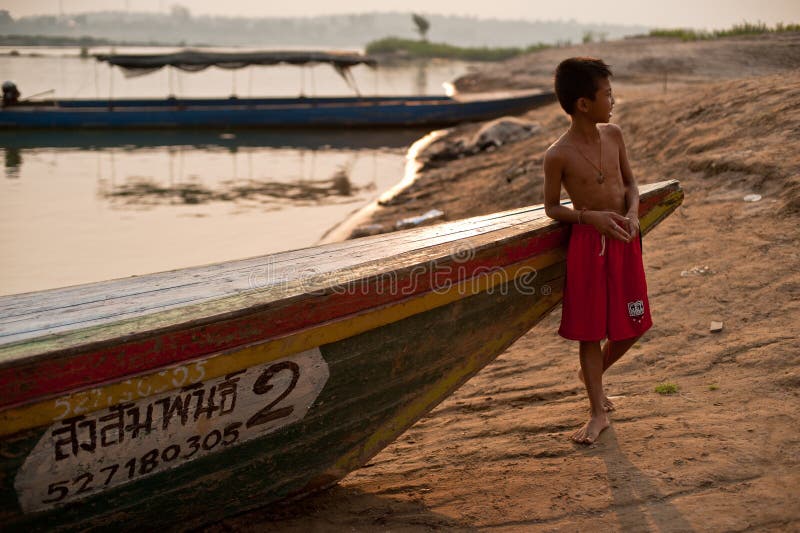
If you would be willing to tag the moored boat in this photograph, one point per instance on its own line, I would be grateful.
(233, 112)
(186, 396)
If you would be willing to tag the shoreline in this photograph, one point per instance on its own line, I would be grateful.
(345, 229)
(428, 188)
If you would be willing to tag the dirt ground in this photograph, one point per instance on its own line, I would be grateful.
(723, 454)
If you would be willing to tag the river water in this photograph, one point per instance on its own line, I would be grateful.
(83, 207)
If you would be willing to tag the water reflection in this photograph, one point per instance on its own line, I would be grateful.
(280, 166)
(421, 77)
(99, 205)
(141, 191)
(13, 161)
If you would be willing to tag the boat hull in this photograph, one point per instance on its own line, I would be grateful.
(289, 388)
(380, 382)
(266, 113)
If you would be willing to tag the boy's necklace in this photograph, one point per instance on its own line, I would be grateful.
(600, 177)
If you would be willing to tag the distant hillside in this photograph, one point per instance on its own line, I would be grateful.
(352, 31)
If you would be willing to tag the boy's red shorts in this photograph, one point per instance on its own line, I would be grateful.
(605, 293)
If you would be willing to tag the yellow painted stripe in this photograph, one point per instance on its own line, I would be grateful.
(95, 399)
(661, 210)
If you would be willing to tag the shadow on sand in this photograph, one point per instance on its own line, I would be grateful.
(341, 509)
(637, 502)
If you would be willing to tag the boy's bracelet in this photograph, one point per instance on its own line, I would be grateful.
(580, 215)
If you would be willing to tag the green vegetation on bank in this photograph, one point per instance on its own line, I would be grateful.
(746, 28)
(424, 49)
(49, 40)
(666, 388)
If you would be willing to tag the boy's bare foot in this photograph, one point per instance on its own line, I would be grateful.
(591, 430)
(608, 405)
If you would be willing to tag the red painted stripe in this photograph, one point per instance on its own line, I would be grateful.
(87, 366)
(647, 204)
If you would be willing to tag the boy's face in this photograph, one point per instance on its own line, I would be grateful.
(600, 109)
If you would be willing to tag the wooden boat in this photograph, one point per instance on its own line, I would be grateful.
(185, 396)
(331, 112)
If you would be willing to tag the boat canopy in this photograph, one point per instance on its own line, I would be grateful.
(134, 65)
(197, 60)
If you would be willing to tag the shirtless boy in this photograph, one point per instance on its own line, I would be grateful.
(605, 294)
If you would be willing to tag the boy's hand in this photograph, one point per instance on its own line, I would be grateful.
(633, 224)
(610, 224)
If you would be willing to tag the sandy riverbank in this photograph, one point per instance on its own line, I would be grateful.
(722, 454)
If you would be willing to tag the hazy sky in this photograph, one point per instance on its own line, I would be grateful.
(660, 13)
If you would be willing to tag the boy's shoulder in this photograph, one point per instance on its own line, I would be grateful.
(557, 149)
(613, 129)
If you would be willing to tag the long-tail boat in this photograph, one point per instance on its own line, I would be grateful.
(185, 396)
(233, 112)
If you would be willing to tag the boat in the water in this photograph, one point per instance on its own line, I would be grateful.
(185, 396)
(234, 112)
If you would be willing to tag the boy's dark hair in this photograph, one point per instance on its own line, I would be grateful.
(577, 77)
